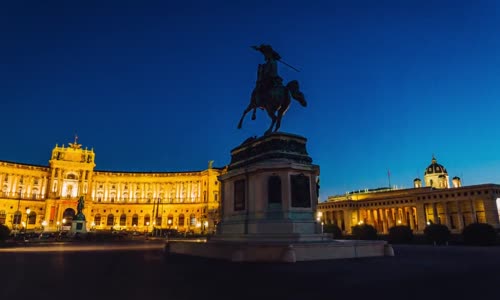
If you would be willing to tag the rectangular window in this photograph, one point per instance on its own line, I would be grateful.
(239, 195)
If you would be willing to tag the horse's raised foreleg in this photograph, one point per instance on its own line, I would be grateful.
(249, 108)
(253, 113)
(273, 118)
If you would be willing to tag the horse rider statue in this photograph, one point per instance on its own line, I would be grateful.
(269, 93)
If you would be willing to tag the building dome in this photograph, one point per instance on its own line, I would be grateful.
(435, 168)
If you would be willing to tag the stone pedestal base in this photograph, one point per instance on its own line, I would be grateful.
(78, 226)
(280, 252)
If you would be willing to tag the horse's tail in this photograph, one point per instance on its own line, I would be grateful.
(293, 87)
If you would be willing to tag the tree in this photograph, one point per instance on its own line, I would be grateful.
(479, 234)
(364, 232)
(334, 229)
(400, 234)
(437, 233)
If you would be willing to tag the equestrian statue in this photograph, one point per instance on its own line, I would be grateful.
(269, 93)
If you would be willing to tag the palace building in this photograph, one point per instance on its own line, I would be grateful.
(45, 197)
(455, 206)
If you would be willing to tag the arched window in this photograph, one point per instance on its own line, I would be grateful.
(147, 220)
(181, 220)
(17, 218)
(71, 176)
(123, 220)
(192, 220)
(32, 218)
(135, 220)
(3, 216)
(97, 220)
(111, 220)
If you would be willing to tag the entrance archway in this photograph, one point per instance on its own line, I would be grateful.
(68, 214)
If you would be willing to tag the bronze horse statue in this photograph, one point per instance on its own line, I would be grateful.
(276, 102)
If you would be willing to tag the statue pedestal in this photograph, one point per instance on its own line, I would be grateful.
(269, 199)
(78, 224)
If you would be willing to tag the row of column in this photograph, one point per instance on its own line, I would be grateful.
(11, 185)
(189, 190)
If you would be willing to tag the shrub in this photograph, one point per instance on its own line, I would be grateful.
(4, 232)
(479, 234)
(364, 232)
(334, 229)
(400, 234)
(437, 233)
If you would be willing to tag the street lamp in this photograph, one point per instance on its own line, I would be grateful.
(63, 222)
(57, 224)
(27, 217)
(205, 226)
(147, 228)
(44, 223)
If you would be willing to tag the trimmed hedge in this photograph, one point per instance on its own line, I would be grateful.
(479, 234)
(364, 232)
(437, 233)
(4, 232)
(334, 229)
(400, 234)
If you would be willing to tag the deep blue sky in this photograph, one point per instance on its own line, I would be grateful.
(161, 85)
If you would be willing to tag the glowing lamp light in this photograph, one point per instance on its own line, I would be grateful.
(92, 224)
(64, 221)
(147, 223)
(44, 223)
(205, 223)
(198, 224)
(399, 221)
(28, 211)
(428, 223)
(169, 221)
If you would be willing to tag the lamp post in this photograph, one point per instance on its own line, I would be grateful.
(27, 218)
(44, 224)
(147, 228)
(205, 227)
(63, 222)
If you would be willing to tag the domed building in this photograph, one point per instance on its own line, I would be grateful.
(417, 207)
(436, 176)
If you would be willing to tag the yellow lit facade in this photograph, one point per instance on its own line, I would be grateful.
(139, 201)
(455, 206)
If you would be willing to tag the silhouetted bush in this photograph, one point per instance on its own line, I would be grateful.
(400, 234)
(364, 232)
(4, 232)
(479, 234)
(437, 233)
(332, 228)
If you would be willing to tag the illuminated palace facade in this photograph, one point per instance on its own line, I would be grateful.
(455, 206)
(45, 197)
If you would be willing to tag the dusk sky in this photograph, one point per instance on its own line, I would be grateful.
(161, 85)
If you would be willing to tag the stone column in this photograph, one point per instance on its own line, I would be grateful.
(412, 218)
(383, 219)
(420, 214)
(491, 212)
(446, 215)
(435, 215)
(460, 216)
(473, 210)
(347, 220)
